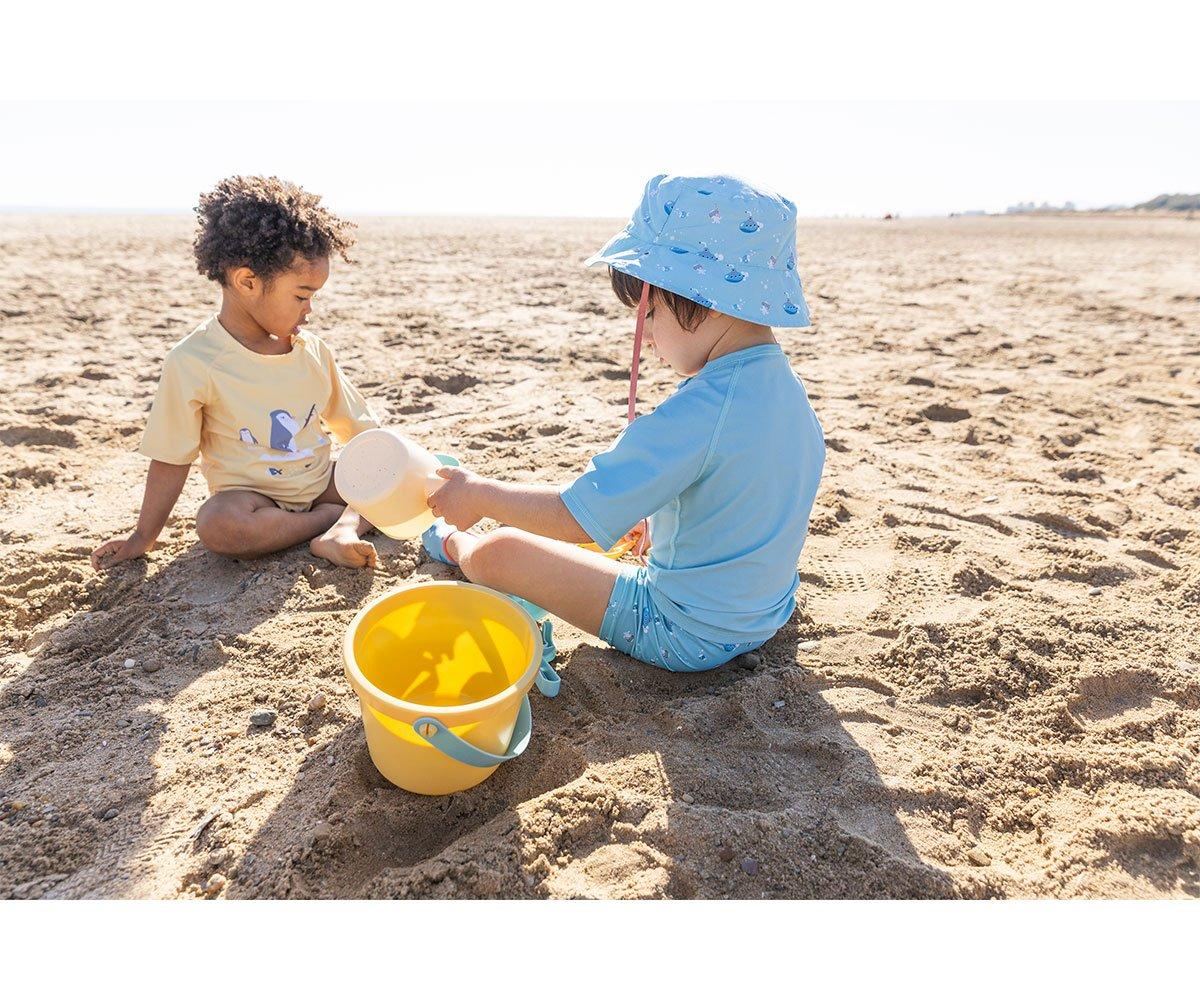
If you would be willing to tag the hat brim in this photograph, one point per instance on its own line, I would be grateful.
(770, 296)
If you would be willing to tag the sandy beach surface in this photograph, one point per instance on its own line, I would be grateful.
(991, 686)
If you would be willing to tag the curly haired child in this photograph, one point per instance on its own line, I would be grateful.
(251, 392)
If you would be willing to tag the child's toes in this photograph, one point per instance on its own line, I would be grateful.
(365, 554)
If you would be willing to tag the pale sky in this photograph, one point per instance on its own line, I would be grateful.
(591, 158)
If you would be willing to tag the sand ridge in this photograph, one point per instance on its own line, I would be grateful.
(991, 688)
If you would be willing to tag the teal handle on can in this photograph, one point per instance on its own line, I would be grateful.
(548, 681)
(437, 734)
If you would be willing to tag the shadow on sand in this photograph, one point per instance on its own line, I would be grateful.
(637, 782)
(84, 724)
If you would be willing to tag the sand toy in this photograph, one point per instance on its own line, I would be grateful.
(442, 672)
(387, 478)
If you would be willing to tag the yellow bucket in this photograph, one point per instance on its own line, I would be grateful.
(442, 672)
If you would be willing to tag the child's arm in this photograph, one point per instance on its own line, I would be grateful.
(164, 483)
(468, 498)
(347, 413)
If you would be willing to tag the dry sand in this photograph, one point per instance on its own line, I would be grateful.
(992, 687)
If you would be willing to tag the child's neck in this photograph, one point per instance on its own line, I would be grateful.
(245, 329)
(737, 336)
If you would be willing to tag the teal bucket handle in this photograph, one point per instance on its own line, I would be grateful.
(438, 735)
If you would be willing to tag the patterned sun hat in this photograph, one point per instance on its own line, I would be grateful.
(719, 241)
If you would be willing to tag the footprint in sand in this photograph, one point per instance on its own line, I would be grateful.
(1123, 699)
(855, 580)
(453, 383)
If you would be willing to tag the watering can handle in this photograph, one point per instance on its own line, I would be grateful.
(434, 482)
(547, 680)
(436, 734)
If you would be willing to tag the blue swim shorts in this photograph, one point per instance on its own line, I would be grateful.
(634, 625)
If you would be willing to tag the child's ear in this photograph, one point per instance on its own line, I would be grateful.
(244, 280)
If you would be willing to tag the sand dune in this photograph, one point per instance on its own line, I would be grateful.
(992, 687)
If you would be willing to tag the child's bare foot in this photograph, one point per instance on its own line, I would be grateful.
(342, 547)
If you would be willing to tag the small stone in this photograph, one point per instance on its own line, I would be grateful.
(749, 866)
(216, 882)
(317, 702)
(809, 645)
(979, 857)
(990, 499)
(688, 798)
(39, 700)
(263, 717)
(1095, 591)
(1196, 448)
(130, 663)
(110, 814)
(725, 854)
(322, 832)
(894, 730)
(779, 704)
(749, 661)
(150, 667)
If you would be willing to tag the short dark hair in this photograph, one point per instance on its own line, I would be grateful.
(629, 290)
(264, 223)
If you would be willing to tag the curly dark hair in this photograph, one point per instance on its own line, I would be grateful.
(264, 223)
(628, 289)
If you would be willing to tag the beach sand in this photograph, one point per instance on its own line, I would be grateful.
(991, 686)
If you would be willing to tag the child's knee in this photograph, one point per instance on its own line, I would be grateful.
(220, 531)
(492, 553)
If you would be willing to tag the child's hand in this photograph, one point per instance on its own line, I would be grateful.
(639, 534)
(120, 550)
(461, 501)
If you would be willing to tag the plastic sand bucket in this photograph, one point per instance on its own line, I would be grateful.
(442, 672)
(387, 478)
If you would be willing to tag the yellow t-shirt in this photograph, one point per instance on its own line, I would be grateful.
(260, 422)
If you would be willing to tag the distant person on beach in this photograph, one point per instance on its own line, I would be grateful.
(726, 468)
(251, 392)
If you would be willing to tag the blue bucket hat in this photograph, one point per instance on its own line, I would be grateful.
(719, 241)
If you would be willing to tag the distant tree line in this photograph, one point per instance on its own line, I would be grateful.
(1163, 203)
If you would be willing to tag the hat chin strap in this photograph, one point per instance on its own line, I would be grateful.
(637, 349)
(643, 306)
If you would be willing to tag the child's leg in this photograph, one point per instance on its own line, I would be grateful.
(342, 543)
(245, 525)
(562, 578)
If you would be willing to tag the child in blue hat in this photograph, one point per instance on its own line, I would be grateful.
(725, 469)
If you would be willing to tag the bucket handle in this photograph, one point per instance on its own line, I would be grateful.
(439, 736)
